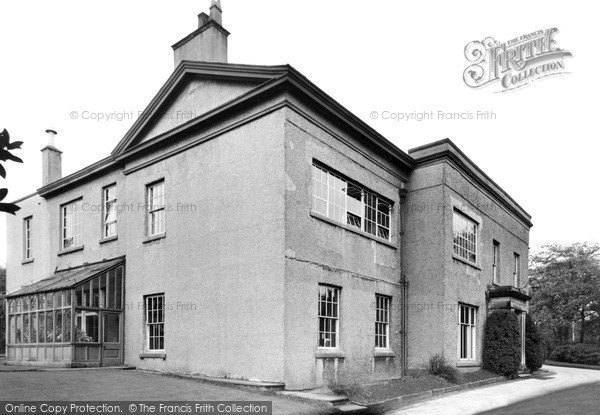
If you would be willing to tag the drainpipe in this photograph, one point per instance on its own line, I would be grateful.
(403, 282)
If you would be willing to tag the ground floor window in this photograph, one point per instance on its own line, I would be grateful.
(467, 326)
(329, 302)
(87, 324)
(155, 322)
(382, 321)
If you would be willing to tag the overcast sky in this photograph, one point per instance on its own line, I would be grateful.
(113, 56)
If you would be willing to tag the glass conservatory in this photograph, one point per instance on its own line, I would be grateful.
(72, 318)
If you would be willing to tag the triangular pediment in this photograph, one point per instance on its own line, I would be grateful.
(194, 89)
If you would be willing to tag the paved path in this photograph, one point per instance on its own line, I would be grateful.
(130, 385)
(553, 379)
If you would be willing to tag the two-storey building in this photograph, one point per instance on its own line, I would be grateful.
(271, 236)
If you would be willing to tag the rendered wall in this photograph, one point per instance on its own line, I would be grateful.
(318, 251)
(439, 282)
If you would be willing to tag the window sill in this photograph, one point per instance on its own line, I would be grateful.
(384, 353)
(71, 250)
(27, 261)
(149, 355)
(466, 261)
(108, 239)
(352, 229)
(154, 238)
(468, 363)
(329, 353)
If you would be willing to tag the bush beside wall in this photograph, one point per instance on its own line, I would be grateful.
(534, 346)
(502, 343)
(584, 354)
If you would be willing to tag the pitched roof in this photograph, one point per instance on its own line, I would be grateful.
(268, 80)
(68, 278)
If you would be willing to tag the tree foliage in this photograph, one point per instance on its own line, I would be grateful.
(5, 154)
(502, 343)
(565, 281)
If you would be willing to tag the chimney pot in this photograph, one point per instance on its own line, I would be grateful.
(51, 134)
(51, 160)
(202, 19)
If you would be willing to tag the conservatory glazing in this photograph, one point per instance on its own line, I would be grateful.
(72, 318)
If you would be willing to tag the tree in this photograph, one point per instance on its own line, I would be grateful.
(565, 281)
(5, 154)
(502, 343)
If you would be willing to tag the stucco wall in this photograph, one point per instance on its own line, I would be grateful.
(194, 98)
(439, 282)
(21, 274)
(318, 251)
(222, 261)
(220, 264)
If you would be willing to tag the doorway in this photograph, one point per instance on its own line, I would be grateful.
(112, 339)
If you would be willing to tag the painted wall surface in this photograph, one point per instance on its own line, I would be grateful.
(438, 281)
(46, 232)
(220, 265)
(19, 273)
(321, 252)
(196, 97)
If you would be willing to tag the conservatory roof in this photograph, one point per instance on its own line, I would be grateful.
(69, 277)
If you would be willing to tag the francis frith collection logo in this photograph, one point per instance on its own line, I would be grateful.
(514, 63)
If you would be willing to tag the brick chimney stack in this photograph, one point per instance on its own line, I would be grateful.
(51, 160)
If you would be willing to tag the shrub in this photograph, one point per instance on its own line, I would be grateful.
(534, 346)
(585, 354)
(348, 383)
(439, 366)
(502, 343)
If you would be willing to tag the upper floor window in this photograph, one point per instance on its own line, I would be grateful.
(156, 208)
(465, 237)
(349, 203)
(329, 316)
(496, 262)
(382, 321)
(27, 253)
(109, 206)
(71, 224)
(517, 270)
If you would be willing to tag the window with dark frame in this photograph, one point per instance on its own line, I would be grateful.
(496, 262)
(27, 253)
(328, 313)
(155, 194)
(465, 237)
(155, 322)
(382, 321)
(467, 325)
(109, 207)
(349, 203)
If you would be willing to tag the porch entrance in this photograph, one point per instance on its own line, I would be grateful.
(112, 345)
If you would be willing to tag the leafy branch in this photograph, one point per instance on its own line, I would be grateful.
(5, 154)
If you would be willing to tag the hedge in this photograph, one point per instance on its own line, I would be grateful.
(534, 346)
(584, 354)
(502, 343)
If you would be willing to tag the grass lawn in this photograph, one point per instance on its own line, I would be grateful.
(408, 385)
(583, 399)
